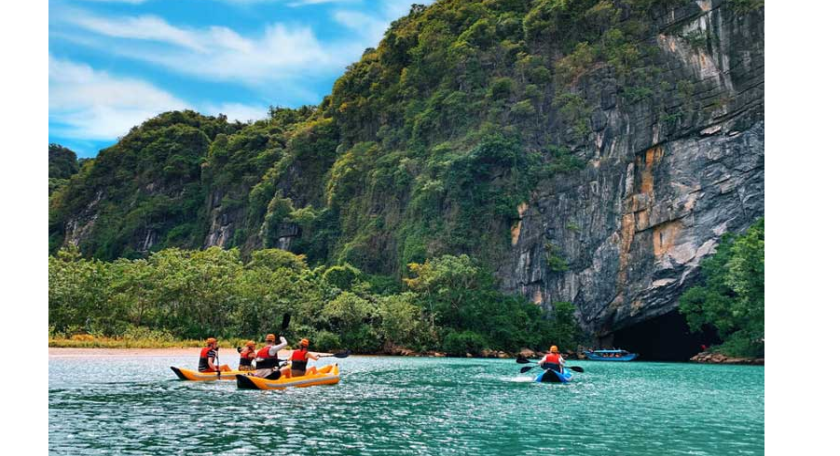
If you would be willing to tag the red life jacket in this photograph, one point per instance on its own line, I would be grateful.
(245, 357)
(265, 360)
(299, 359)
(203, 361)
(552, 358)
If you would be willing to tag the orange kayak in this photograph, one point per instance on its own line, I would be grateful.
(327, 375)
(196, 376)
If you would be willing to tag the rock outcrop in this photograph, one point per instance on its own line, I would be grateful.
(719, 358)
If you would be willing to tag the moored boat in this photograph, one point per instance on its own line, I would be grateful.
(610, 355)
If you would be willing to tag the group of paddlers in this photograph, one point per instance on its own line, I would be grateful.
(265, 362)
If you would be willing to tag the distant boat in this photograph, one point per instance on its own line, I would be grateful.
(610, 355)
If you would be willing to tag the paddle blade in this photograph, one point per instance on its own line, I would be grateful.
(286, 319)
(343, 354)
(526, 369)
(576, 368)
(522, 360)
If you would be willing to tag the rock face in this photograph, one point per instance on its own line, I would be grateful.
(630, 231)
(718, 358)
(222, 223)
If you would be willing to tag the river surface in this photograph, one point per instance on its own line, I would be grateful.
(392, 406)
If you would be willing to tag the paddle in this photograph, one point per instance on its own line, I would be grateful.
(218, 365)
(340, 355)
(287, 318)
(522, 360)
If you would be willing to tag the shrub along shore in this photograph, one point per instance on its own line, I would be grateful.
(446, 305)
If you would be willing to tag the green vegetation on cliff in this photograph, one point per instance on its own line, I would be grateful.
(731, 296)
(63, 162)
(425, 147)
(146, 189)
(63, 165)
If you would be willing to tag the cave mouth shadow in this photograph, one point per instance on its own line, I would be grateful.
(664, 338)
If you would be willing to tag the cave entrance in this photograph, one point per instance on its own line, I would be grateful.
(664, 338)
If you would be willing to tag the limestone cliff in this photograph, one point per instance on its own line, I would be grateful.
(631, 230)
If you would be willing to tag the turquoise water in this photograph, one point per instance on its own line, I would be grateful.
(392, 406)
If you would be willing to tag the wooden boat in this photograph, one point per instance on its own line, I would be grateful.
(610, 355)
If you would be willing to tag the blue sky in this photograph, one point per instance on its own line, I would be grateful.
(115, 63)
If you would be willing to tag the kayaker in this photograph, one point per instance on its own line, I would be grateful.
(266, 358)
(209, 358)
(299, 358)
(553, 360)
(247, 355)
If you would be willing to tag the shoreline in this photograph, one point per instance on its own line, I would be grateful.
(102, 352)
(719, 358)
(228, 353)
(73, 352)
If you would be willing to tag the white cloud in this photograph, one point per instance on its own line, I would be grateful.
(395, 9)
(90, 104)
(286, 55)
(373, 28)
(95, 105)
(280, 54)
(298, 3)
(237, 111)
(292, 3)
(134, 2)
(141, 28)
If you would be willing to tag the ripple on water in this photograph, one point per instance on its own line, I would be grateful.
(410, 406)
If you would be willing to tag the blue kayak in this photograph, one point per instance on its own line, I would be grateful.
(553, 376)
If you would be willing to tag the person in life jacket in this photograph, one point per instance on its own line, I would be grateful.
(266, 359)
(553, 360)
(247, 355)
(299, 358)
(209, 358)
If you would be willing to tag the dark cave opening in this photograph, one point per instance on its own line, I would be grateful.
(664, 338)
